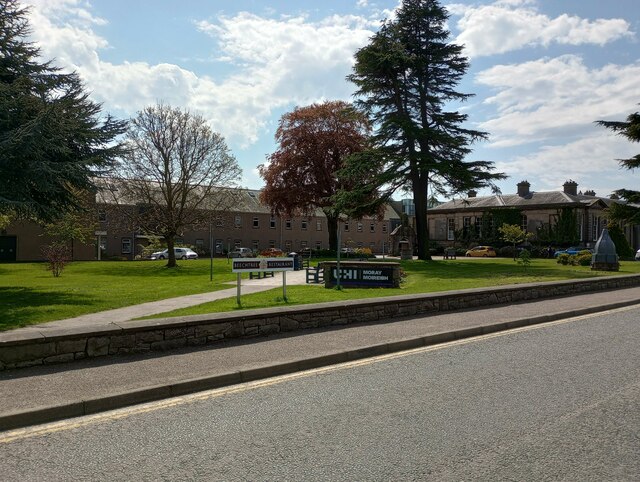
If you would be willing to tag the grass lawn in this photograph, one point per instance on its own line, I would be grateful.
(422, 277)
(29, 294)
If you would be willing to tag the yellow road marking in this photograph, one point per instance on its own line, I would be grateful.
(84, 421)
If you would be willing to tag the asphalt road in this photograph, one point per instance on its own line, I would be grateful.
(558, 401)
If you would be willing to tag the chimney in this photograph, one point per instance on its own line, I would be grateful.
(571, 187)
(472, 193)
(523, 188)
(590, 192)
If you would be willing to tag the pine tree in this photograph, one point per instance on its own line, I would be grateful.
(405, 77)
(52, 140)
(631, 130)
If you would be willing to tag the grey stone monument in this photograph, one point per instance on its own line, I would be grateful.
(604, 257)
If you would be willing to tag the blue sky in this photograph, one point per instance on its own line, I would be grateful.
(541, 70)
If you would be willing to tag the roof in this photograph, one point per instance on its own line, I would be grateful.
(111, 191)
(534, 200)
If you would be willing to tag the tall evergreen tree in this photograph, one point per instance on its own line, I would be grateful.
(405, 78)
(631, 130)
(52, 139)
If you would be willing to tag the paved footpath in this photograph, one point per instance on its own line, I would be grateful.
(127, 313)
(38, 394)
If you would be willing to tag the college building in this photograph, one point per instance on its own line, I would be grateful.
(249, 223)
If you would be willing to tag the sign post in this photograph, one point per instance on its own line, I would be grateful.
(257, 265)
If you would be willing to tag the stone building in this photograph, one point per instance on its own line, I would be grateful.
(535, 212)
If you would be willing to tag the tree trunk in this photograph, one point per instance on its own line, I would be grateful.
(332, 227)
(171, 261)
(419, 185)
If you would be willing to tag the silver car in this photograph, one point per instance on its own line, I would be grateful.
(181, 253)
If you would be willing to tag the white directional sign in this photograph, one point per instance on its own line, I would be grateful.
(245, 265)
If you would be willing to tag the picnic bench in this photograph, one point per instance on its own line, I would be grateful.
(260, 274)
(449, 253)
(315, 274)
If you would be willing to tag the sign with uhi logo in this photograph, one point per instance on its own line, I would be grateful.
(363, 274)
(246, 265)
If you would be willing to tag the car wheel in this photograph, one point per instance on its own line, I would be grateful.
(184, 257)
(468, 255)
(161, 256)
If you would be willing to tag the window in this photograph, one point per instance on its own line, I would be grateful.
(303, 224)
(254, 244)
(102, 215)
(272, 243)
(478, 223)
(256, 222)
(384, 228)
(237, 243)
(318, 225)
(372, 246)
(303, 244)
(272, 223)
(219, 223)
(346, 226)
(238, 221)
(359, 227)
(451, 229)
(219, 246)
(466, 225)
(200, 245)
(126, 245)
(524, 223)
(372, 227)
(595, 227)
(287, 224)
(359, 244)
(287, 246)
(318, 245)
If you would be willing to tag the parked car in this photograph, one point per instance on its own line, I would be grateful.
(241, 253)
(638, 255)
(481, 252)
(571, 250)
(271, 253)
(181, 253)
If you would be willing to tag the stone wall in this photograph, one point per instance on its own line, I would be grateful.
(57, 346)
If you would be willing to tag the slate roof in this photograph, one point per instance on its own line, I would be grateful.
(533, 200)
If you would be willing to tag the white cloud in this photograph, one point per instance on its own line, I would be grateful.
(554, 98)
(509, 25)
(281, 63)
(584, 161)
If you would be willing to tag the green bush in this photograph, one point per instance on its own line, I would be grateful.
(583, 258)
(564, 259)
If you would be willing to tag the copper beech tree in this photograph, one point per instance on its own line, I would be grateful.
(302, 175)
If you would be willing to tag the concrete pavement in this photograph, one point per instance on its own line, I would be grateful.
(35, 395)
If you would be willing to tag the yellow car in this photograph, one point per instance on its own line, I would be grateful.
(481, 252)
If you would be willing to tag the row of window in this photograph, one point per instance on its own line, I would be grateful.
(596, 225)
(288, 223)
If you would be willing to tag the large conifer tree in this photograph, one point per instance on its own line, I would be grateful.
(406, 77)
(630, 129)
(52, 140)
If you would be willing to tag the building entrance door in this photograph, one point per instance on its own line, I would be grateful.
(7, 248)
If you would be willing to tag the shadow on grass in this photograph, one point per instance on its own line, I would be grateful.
(20, 306)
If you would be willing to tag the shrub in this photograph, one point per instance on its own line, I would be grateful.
(524, 259)
(563, 259)
(583, 258)
(57, 256)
